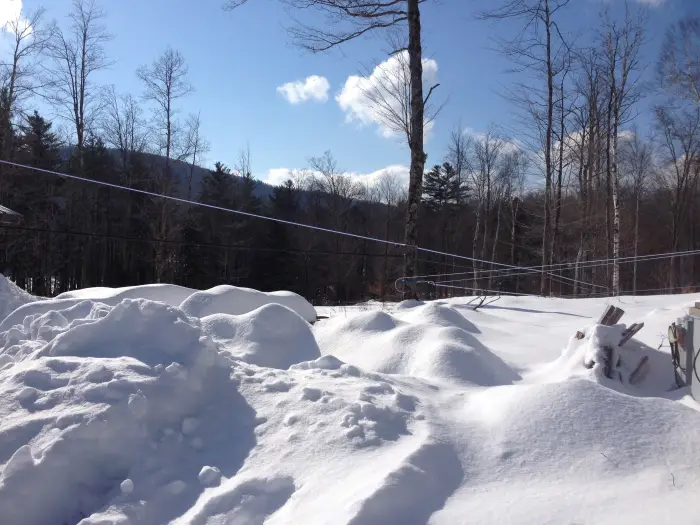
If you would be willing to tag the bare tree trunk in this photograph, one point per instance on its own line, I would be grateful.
(608, 188)
(636, 244)
(548, 153)
(515, 204)
(616, 211)
(487, 217)
(495, 242)
(560, 172)
(475, 242)
(415, 187)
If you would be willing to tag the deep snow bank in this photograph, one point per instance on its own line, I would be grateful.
(221, 299)
(170, 294)
(12, 297)
(139, 413)
(133, 392)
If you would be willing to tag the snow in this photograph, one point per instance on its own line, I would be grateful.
(12, 297)
(236, 301)
(153, 405)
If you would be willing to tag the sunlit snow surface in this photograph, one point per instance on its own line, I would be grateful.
(159, 404)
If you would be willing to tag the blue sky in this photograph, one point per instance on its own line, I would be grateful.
(237, 60)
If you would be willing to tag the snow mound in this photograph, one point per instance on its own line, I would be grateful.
(440, 315)
(125, 411)
(165, 293)
(408, 304)
(435, 350)
(272, 336)
(236, 301)
(119, 409)
(12, 297)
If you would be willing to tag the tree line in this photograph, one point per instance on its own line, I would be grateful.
(580, 184)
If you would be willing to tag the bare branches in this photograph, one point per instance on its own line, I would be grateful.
(122, 125)
(679, 63)
(386, 93)
(345, 20)
(165, 82)
(30, 38)
(77, 54)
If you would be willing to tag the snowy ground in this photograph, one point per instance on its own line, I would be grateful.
(154, 405)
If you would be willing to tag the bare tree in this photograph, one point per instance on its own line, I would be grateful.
(391, 192)
(77, 54)
(123, 128)
(350, 19)
(622, 45)
(19, 77)
(244, 165)
(340, 189)
(196, 145)
(563, 112)
(486, 155)
(679, 63)
(536, 48)
(637, 160)
(165, 82)
(458, 155)
(387, 93)
(678, 177)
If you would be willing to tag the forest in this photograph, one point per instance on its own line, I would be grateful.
(585, 194)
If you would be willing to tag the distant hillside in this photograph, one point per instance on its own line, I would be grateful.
(182, 171)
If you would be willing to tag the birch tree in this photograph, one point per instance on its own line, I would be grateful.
(622, 44)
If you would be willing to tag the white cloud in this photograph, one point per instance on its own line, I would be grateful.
(399, 170)
(277, 176)
(9, 11)
(358, 103)
(313, 88)
(509, 145)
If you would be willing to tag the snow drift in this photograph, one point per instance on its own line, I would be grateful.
(220, 299)
(432, 341)
(272, 336)
(120, 410)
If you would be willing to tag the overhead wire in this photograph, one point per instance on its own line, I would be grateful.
(571, 265)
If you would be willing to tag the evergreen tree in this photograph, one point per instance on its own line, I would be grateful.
(38, 145)
(443, 187)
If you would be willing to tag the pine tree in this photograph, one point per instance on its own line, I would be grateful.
(38, 145)
(442, 187)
